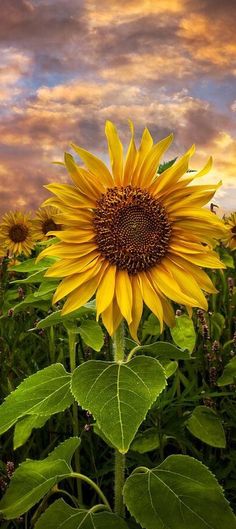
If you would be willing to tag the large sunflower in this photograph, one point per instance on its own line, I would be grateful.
(45, 221)
(16, 233)
(132, 236)
(231, 225)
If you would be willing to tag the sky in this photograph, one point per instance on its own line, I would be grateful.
(67, 66)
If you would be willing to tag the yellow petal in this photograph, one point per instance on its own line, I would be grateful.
(168, 312)
(67, 251)
(186, 282)
(115, 149)
(205, 260)
(201, 277)
(112, 317)
(150, 296)
(170, 288)
(106, 290)
(74, 236)
(124, 294)
(145, 147)
(81, 178)
(131, 159)
(67, 267)
(171, 175)
(82, 294)
(95, 166)
(137, 307)
(71, 196)
(195, 200)
(152, 161)
(72, 282)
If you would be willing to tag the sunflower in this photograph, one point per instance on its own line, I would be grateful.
(231, 225)
(45, 220)
(16, 234)
(132, 236)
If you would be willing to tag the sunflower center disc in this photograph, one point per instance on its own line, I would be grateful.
(49, 225)
(18, 232)
(132, 228)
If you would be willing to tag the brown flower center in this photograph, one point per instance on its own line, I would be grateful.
(18, 232)
(49, 225)
(132, 228)
(234, 230)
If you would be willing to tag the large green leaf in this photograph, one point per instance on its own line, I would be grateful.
(43, 393)
(183, 333)
(92, 334)
(56, 318)
(61, 516)
(33, 479)
(151, 327)
(118, 395)
(164, 350)
(24, 427)
(205, 424)
(229, 373)
(179, 494)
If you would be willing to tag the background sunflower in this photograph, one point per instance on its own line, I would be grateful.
(231, 224)
(16, 233)
(45, 221)
(132, 236)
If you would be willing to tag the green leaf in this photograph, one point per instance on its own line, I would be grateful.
(146, 441)
(33, 479)
(24, 427)
(183, 333)
(92, 334)
(169, 367)
(43, 393)
(46, 287)
(56, 318)
(217, 325)
(151, 327)
(36, 277)
(31, 266)
(226, 257)
(162, 167)
(164, 350)
(118, 395)
(61, 516)
(229, 373)
(179, 494)
(206, 426)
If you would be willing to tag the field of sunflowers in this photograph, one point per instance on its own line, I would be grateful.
(118, 349)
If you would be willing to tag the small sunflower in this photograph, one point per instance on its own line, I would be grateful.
(132, 236)
(45, 221)
(16, 234)
(231, 225)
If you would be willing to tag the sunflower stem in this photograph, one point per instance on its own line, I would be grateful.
(75, 420)
(119, 353)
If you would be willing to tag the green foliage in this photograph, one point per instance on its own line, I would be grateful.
(163, 350)
(183, 333)
(33, 479)
(179, 494)
(61, 515)
(92, 334)
(118, 395)
(44, 393)
(229, 374)
(205, 424)
(146, 441)
(55, 318)
(24, 427)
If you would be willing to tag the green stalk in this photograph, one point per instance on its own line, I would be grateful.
(118, 347)
(75, 420)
